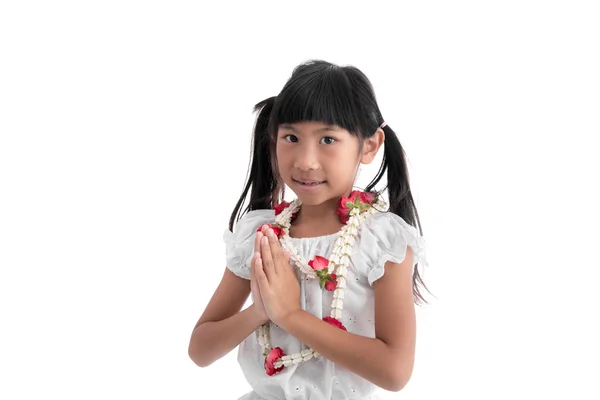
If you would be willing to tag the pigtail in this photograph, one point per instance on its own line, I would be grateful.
(400, 197)
(260, 181)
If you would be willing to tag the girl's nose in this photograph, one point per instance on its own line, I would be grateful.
(306, 160)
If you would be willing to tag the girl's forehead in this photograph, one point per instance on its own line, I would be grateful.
(311, 127)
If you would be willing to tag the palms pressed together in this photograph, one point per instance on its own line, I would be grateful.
(273, 282)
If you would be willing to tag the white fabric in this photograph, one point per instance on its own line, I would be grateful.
(383, 237)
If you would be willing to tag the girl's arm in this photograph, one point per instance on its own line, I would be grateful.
(386, 360)
(222, 326)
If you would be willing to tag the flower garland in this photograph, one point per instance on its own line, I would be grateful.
(353, 211)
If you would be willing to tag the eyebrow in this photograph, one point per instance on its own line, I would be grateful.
(328, 128)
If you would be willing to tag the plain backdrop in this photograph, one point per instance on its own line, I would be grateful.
(124, 142)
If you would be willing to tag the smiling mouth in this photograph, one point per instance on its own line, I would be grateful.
(309, 183)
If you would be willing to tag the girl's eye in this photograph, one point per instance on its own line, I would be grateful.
(294, 139)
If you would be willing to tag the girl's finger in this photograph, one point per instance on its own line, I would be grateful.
(259, 273)
(259, 235)
(266, 258)
(253, 262)
(253, 269)
(276, 252)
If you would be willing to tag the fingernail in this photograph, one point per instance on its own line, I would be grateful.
(270, 232)
(265, 240)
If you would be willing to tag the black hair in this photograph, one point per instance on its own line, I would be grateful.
(338, 95)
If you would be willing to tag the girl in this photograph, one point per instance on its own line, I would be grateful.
(331, 273)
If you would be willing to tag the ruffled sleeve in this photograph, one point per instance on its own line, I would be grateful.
(385, 237)
(239, 245)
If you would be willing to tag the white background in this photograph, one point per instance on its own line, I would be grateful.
(125, 130)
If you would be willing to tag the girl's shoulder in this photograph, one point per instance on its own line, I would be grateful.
(239, 244)
(249, 221)
(384, 237)
(384, 223)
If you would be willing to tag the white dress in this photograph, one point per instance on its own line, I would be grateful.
(383, 237)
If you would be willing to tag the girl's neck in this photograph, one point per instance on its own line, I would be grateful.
(315, 214)
(319, 220)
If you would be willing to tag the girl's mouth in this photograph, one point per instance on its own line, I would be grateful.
(309, 184)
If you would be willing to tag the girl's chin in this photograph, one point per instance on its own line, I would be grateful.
(315, 199)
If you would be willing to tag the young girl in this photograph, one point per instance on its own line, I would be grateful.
(333, 274)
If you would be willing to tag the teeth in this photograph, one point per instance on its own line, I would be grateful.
(309, 182)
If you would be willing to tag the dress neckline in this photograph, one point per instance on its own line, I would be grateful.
(315, 238)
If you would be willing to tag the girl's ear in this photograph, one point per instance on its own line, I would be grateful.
(371, 146)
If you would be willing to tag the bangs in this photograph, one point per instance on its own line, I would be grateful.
(320, 96)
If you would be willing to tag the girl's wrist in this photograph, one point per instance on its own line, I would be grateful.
(260, 320)
(284, 320)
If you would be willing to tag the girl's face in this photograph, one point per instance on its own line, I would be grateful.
(317, 161)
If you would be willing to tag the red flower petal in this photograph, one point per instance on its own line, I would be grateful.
(329, 285)
(353, 195)
(274, 355)
(343, 212)
(355, 198)
(367, 197)
(280, 207)
(318, 263)
(334, 322)
(276, 229)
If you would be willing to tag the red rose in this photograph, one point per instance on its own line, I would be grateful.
(319, 263)
(274, 355)
(357, 199)
(367, 197)
(276, 229)
(346, 204)
(282, 206)
(334, 322)
(331, 284)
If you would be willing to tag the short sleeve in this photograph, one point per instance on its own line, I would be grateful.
(384, 237)
(239, 245)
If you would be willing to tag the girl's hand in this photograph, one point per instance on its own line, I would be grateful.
(259, 308)
(277, 281)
